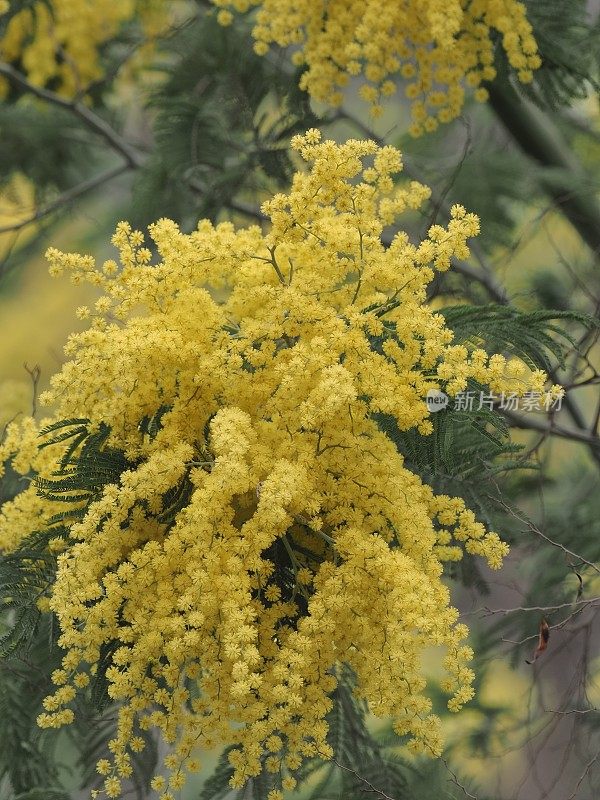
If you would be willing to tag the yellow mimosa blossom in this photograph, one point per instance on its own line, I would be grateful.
(263, 530)
(59, 41)
(439, 46)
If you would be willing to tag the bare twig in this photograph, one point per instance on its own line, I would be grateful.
(439, 203)
(456, 782)
(34, 373)
(543, 609)
(573, 711)
(534, 529)
(533, 423)
(584, 775)
(369, 786)
(557, 626)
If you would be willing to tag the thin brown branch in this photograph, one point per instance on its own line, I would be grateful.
(66, 197)
(369, 786)
(488, 612)
(34, 373)
(573, 711)
(556, 627)
(584, 775)
(456, 782)
(92, 121)
(439, 203)
(535, 424)
(534, 529)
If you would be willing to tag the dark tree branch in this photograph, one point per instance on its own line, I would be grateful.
(550, 428)
(66, 197)
(541, 140)
(92, 121)
(369, 788)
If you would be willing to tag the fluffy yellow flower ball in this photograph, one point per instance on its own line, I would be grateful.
(247, 528)
(438, 45)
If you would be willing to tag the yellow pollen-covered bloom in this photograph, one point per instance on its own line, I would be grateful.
(251, 526)
(60, 40)
(441, 45)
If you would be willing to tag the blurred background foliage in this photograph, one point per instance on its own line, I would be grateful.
(180, 118)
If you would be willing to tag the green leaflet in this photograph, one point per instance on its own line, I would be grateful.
(25, 575)
(27, 756)
(224, 117)
(533, 336)
(569, 45)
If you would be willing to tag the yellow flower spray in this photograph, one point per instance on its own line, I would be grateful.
(264, 531)
(439, 46)
(61, 41)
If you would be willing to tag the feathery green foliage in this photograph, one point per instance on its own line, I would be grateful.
(27, 129)
(569, 45)
(28, 759)
(26, 575)
(28, 640)
(86, 467)
(533, 336)
(224, 117)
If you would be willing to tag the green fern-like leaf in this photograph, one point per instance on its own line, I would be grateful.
(569, 45)
(533, 336)
(26, 574)
(91, 734)
(27, 754)
(99, 683)
(224, 118)
(86, 466)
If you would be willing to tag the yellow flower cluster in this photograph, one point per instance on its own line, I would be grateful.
(59, 41)
(301, 541)
(438, 45)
